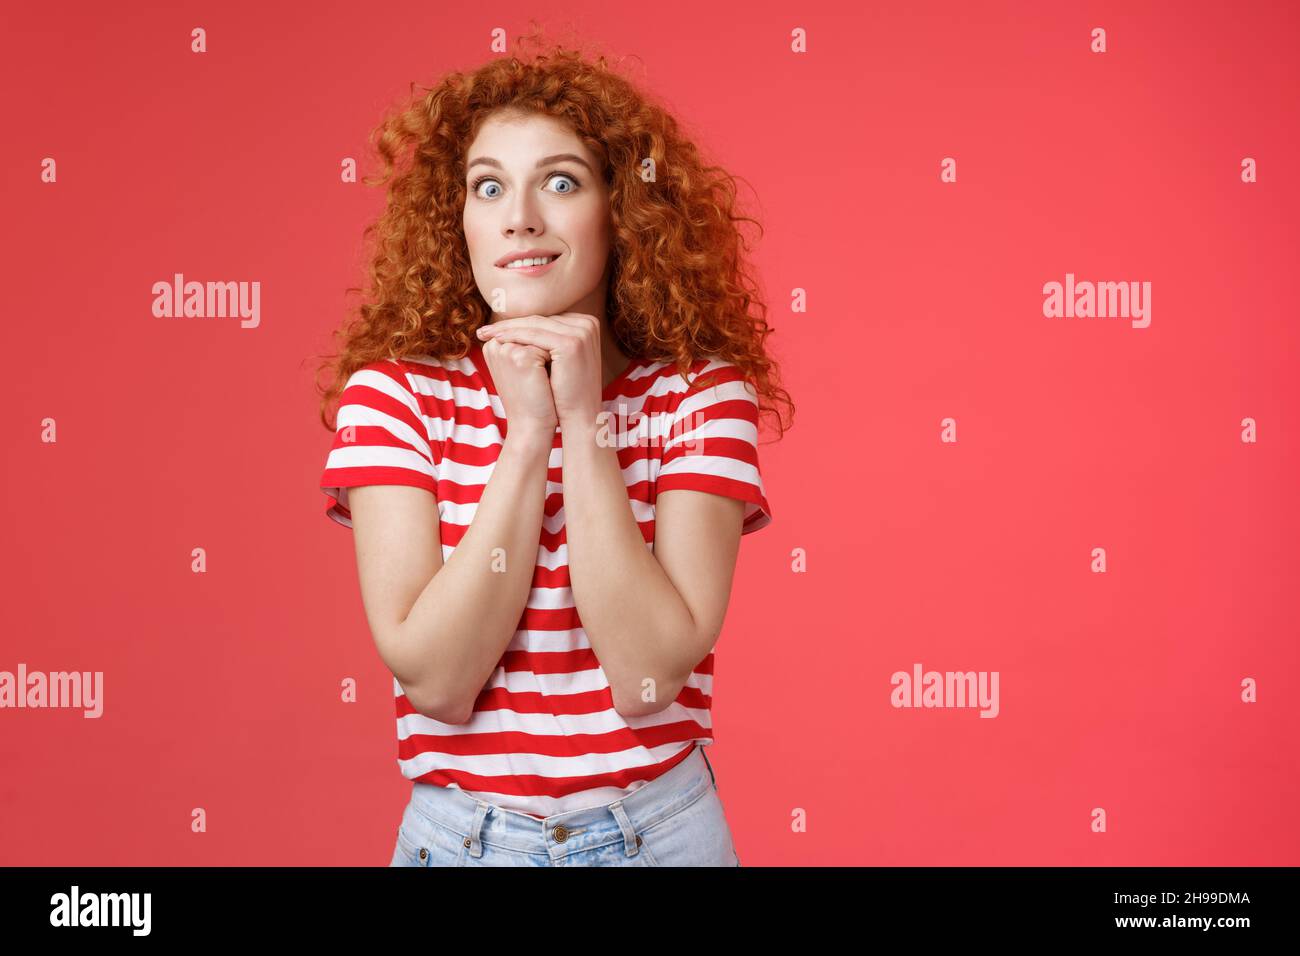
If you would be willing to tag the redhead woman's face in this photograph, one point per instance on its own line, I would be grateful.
(531, 184)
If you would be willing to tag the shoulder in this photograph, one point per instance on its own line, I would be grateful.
(712, 382)
(371, 371)
(666, 379)
(412, 374)
(370, 382)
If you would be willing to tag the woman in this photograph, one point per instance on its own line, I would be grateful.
(551, 405)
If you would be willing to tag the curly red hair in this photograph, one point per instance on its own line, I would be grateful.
(680, 290)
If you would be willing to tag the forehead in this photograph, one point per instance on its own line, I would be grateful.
(521, 139)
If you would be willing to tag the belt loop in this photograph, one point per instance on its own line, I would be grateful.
(630, 847)
(712, 778)
(475, 844)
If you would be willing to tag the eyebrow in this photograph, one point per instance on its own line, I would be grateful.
(544, 161)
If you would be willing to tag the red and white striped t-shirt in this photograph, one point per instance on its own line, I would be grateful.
(544, 737)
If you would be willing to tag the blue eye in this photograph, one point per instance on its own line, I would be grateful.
(488, 179)
(571, 179)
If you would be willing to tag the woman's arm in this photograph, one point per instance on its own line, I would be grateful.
(441, 628)
(647, 616)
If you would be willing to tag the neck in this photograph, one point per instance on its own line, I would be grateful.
(613, 361)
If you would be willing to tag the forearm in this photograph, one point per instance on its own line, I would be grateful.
(632, 614)
(468, 613)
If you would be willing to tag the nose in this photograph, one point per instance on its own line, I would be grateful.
(522, 216)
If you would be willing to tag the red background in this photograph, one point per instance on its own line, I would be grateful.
(1118, 690)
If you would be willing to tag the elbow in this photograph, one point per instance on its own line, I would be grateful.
(427, 697)
(450, 714)
(627, 711)
(628, 704)
(441, 709)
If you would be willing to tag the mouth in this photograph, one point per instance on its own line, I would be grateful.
(531, 266)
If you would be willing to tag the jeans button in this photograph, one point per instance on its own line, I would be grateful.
(424, 854)
(560, 833)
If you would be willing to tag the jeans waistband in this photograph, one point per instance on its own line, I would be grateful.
(478, 821)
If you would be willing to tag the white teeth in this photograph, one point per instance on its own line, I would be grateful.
(524, 263)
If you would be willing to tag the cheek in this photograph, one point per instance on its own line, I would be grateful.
(474, 238)
(477, 247)
(593, 238)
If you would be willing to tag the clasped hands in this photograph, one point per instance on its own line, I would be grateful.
(571, 342)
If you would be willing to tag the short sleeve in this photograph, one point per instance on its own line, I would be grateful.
(380, 438)
(712, 444)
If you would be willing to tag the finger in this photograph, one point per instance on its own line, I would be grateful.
(525, 355)
(579, 320)
(518, 352)
(551, 342)
(549, 323)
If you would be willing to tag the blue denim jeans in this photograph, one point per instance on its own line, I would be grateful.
(674, 820)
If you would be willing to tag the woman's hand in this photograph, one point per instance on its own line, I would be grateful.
(519, 373)
(571, 341)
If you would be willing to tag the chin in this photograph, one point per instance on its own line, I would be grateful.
(535, 306)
